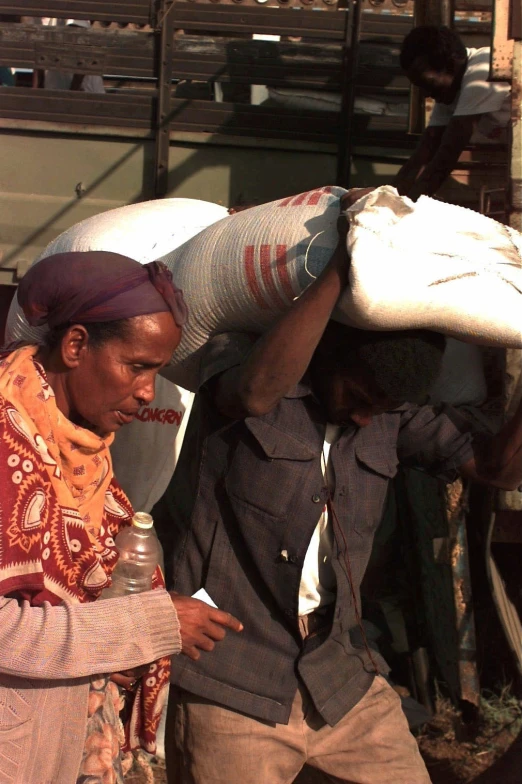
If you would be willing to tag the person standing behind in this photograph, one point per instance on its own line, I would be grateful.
(466, 104)
(65, 80)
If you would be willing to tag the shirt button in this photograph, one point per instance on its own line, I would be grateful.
(316, 498)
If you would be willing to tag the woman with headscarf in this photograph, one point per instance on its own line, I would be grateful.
(112, 325)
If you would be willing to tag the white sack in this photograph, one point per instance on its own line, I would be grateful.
(427, 265)
(145, 452)
(244, 271)
(433, 265)
(143, 231)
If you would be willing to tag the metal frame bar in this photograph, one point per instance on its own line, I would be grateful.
(350, 58)
(164, 90)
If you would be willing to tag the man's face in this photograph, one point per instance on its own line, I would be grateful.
(112, 381)
(350, 395)
(443, 85)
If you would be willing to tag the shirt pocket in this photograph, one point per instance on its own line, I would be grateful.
(267, 469)
(375, 468)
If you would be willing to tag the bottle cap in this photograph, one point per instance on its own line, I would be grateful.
(142, 520)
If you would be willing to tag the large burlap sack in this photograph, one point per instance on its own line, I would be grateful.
(428, 264)
(142, 231)
(145, 452)
(244, 271)
(433, 265)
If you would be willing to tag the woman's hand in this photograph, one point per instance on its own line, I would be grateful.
(128, 679)
(201, 626)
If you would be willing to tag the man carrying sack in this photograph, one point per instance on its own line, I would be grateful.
(272, 511)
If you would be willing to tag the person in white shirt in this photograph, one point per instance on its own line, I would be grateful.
(66, 80)
(467, 106)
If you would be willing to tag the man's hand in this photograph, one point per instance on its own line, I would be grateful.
(201, 625)
(353, 195)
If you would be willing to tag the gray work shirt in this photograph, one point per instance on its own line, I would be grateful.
(240, 512)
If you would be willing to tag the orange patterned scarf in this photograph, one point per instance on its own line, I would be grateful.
(61, 510)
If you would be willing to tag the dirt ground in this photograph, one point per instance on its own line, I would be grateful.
(490, 753)
(456, 754)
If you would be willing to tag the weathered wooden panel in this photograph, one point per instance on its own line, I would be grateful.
(263, 21)
(385, 28)
(235, 119)
(284, 64)
(137, 11)
(245, 120)
(502, 46)
(258, 62)
(127, 109)
(123, 52)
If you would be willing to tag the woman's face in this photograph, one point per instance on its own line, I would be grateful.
(109, 383)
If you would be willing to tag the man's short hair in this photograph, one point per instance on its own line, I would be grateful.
(441, 48)
(404, 363)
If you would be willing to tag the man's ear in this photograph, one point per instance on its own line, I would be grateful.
(73, 346)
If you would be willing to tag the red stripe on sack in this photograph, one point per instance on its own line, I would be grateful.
(282, 271)
(285, 202)
(301, 198)
(316, 195)
(265, 259)
(315, 198)
(251, 277)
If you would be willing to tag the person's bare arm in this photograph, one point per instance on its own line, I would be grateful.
(498, 461)
(409, 171)
(454, 139)
(425, 152)
(279, 359)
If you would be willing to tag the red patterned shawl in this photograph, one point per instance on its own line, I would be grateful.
(60, 512)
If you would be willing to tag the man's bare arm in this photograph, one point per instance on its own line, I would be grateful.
(279, 358)
(425, 152)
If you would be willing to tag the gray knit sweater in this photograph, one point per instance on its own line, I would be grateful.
(46, 657)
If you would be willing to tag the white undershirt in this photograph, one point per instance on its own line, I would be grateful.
(318, 578)
(489, 101)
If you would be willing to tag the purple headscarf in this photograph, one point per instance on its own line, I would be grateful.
(95, 286)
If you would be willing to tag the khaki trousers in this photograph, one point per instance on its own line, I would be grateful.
(206, 743)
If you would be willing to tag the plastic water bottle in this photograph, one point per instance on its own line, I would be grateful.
(139, 553)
